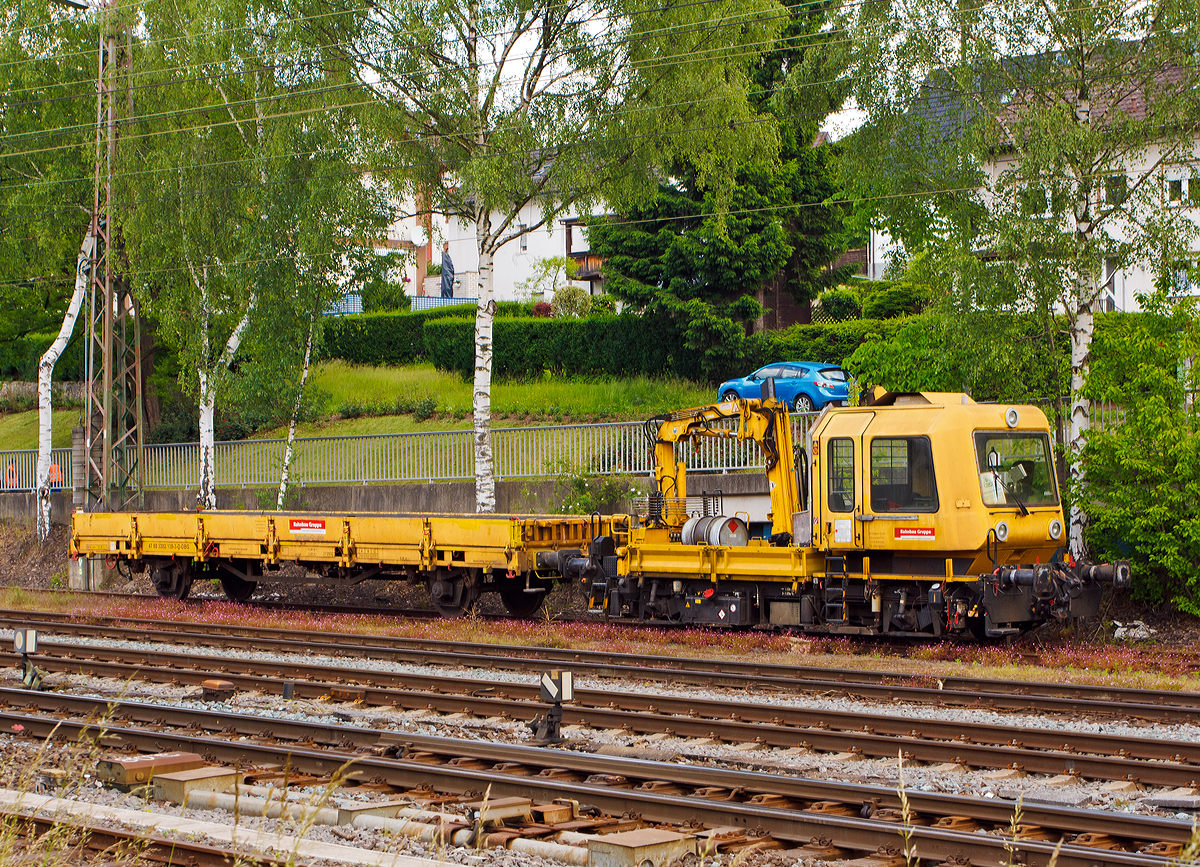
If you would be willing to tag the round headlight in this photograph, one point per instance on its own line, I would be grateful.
(1011, 417)
(1002, 531)
(1056, 529)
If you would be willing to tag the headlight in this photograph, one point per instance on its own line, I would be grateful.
(1012, 418)
(1002, 531)
(1056, 529)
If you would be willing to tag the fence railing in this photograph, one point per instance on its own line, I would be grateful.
(438, 456)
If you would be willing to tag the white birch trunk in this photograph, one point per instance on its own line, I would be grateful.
(1082, 328)
(46, 376)
(291, 437)
(485, 312)
(206, 497)
(1082, 325)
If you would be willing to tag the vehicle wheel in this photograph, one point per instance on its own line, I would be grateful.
(237, 589)
(173, 581)
(803, 403)
(453, 593)
(730, 395)
(517, 602)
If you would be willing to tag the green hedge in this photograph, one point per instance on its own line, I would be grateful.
(611, 345)
(629, 346)
(832, 343)
(19, 358)
(393, 338)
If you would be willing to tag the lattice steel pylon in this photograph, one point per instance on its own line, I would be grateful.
(113, 410)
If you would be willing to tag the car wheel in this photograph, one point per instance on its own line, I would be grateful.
(803, 403)
(730, 395)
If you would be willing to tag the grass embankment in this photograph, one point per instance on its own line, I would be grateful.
(19, 430)
(1143, 664)
(418, 397)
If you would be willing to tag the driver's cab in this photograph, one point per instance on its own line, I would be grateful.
(930, 477)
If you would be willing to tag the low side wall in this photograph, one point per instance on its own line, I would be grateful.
(518, 496)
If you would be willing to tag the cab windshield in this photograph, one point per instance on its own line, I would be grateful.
(1016, 469)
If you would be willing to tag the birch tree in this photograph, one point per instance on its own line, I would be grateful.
(1048, 133)
(45, 377)
(240, 212)
(492, 109)
(47, 61)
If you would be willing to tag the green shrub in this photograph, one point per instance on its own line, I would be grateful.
(394, 338)
(894, 299)
(839, 304)
(526, 347)
(570, 301)
(603, 305)
(1142, 493)
(631, 345)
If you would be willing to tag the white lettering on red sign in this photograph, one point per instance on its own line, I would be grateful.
(307, 526)
(924, 534)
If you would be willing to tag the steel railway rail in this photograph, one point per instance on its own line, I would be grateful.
(1153, 761)
(942, 827)
(1077, 699)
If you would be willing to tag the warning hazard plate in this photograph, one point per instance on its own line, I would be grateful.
(307, 526)
(915, 534)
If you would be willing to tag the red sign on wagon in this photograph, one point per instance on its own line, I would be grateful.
(914, 534)
(307, 526)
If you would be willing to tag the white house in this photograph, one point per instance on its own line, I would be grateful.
(514, 263)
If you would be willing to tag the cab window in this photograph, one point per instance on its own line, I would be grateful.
(1016, 469)
(902, 475)
(841, 474)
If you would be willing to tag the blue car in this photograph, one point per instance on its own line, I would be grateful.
(805, 385)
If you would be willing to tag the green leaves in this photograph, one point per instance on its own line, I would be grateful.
(1143, 475)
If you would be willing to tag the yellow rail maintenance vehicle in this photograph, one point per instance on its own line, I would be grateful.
(919, 515)
(456, 557)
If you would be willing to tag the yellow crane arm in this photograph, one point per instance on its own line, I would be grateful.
(765, 422)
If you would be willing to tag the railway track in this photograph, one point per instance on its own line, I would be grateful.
(1154, 761)
(828, 817)
(1075, 699)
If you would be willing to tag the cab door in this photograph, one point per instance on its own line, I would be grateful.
(841, 470)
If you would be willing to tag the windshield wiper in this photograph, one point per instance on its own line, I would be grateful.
(1009, 488)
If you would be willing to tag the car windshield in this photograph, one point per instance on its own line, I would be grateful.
(1015, 469)
(834, 373)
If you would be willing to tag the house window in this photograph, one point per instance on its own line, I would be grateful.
(1175, 191)
(522, 228)
(841, 475)
(1194, 191)
(1116, 190)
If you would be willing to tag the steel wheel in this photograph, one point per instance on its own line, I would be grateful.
(516, 601)
(453, 594)
(803, 403)
(237, 589)
(730, 395)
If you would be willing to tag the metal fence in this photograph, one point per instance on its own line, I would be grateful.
(439, 456)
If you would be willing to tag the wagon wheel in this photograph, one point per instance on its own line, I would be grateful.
(517, 601)
(454, 593)
(173, 581)
(237, 589)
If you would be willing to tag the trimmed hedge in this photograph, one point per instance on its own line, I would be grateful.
(19, 358)
(525, 347)
(629, 346)
(393, 338)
